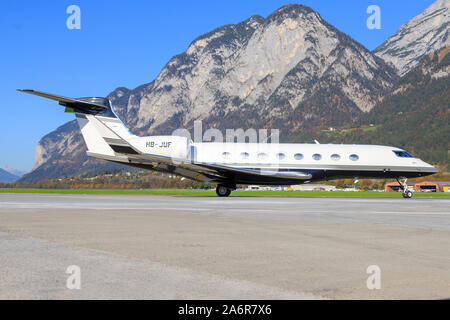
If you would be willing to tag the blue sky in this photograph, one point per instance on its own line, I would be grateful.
(126, 43)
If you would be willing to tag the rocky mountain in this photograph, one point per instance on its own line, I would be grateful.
(7, 177)
(290, 66)
(424, 34)
(289, 70)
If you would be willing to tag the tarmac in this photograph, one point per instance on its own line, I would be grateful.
(176, 247)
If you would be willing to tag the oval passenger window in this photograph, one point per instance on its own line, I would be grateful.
(244, 155)
(262, 156)
(335, 157)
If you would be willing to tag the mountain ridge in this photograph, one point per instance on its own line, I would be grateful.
(418, 37)
(7, 177)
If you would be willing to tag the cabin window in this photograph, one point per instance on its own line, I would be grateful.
(354, 157)
(226, 155)
(316, 156)
(298, 156)
(281, 156)
(244, 155)
(402, 154)
(262, 155)
(335, 157)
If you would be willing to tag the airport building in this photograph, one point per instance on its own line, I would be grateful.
(425, 186)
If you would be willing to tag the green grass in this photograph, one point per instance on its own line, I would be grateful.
(238, 193)
(363, 128)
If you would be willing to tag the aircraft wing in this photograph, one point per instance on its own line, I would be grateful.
(269, 172)
(166, 165)
(200, 171)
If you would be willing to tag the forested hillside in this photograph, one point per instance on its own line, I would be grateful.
(415, 116)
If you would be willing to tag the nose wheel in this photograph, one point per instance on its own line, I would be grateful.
(407, 194)
(223, 191)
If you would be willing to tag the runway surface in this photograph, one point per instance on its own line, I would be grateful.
(166, 247)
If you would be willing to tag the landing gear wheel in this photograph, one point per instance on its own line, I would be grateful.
(223, 191)
(407, 194)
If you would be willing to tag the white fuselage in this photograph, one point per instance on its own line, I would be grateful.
(317, 160)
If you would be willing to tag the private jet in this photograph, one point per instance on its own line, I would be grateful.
(230, 164)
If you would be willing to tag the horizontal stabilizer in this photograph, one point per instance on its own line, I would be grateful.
(92, 105)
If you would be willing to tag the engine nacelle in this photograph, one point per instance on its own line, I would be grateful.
(166, 146)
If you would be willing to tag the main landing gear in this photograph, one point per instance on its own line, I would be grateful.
(405, 192)
(223, 191)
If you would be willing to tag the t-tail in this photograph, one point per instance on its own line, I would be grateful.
(102, 130)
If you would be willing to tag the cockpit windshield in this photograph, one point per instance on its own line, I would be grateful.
(402, 154)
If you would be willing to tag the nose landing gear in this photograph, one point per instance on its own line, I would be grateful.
(407, 194)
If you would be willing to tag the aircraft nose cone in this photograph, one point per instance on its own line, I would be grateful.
(431, 169)
(434, 169)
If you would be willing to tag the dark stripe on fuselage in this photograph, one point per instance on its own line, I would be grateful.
(243, 178)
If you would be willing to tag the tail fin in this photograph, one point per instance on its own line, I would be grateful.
(100, 127)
